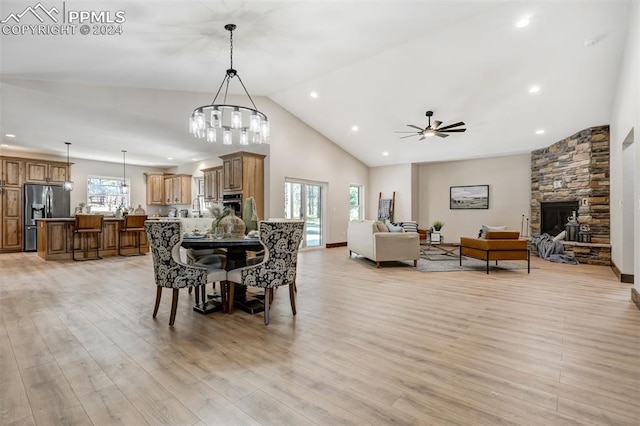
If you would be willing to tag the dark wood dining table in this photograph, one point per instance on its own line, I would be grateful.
(237, 249)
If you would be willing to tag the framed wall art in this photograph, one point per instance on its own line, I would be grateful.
(469, 197)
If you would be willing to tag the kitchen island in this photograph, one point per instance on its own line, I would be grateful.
(54, 239)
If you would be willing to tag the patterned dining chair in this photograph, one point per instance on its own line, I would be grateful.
(281, 240)
(164, 241)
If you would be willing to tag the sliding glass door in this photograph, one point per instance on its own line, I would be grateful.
(305, 200)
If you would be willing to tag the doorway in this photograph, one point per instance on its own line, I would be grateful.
(305, 200)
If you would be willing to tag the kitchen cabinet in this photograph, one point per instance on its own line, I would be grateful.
(37, 171)
(243, 172)
(10, 218)
(213, 184)
(155, 189)
(11, 171)
(54, 239)
(177, 189)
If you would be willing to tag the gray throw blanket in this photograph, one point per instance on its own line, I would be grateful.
(550, 250)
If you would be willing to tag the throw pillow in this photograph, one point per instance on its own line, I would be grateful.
(410, 226)
(382, 227)
(393, 227)
(486, 228)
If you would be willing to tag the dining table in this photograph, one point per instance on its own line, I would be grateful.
(237, 250)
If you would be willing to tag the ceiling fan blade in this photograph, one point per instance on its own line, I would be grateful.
(422, 138)
(452, 130)
(442, 135)
(415, 127)
(451, 125)
(409, 136)
(436, 124)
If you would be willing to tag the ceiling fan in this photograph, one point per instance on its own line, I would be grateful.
(433, 130)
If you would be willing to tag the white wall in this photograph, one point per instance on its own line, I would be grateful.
(509, 180)
(387, 179)
(298, 151)
(625, 118)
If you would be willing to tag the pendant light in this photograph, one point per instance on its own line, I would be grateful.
(124, 188)
(68, 183)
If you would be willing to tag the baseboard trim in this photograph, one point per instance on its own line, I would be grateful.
(635, 297)
(334, 245)
(623, 278)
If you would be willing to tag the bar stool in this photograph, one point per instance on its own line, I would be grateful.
(132, 223)
(87, 224)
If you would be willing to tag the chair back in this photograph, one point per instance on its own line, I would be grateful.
(281, 240)
(88, 223)
(164, 242)
(134, 222)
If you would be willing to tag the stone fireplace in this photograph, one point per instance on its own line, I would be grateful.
(573, 174)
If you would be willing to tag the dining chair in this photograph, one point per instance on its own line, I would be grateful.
(281, 240)
(164, 241)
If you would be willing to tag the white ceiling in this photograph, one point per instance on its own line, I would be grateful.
(379, 65)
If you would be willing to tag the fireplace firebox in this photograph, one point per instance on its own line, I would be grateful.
(554, 216)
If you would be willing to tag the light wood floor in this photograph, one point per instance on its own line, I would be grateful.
(368, 346)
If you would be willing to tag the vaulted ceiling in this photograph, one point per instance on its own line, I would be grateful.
(376, 65)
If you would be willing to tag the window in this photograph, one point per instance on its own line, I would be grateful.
(104, 193)
(356, 202)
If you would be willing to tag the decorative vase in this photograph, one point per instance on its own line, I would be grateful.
(249, 215)
(234, 226)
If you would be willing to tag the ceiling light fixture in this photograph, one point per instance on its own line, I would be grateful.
(314, 95)
(68, 183)
(10, 135)
(355, 128)
(540, 132)
(534, 89)
(523, 22)
(386, 154)
(124, 188)
(233, 122)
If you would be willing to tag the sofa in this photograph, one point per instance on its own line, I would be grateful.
(365, 238)
(496, 245)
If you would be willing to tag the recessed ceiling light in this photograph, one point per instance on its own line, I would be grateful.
(386, 154)
(10, 135)
(523, 22)
(313, 94)
(355, 128)
(194, 159)
(534, 89)
(169, 158)
(540, 132)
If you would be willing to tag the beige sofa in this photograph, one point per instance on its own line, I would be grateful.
(364, 239)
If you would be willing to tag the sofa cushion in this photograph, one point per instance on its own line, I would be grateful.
(409, 226)
(394, 227)
(485, 228)
(502, 235)
(382, 227)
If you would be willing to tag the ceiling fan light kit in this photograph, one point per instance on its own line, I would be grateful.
(226, 122)
(433, 130)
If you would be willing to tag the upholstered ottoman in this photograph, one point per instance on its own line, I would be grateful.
(496, 245)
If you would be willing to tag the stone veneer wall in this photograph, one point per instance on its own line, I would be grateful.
(576, 169)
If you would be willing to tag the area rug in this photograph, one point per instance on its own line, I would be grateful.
(450, 264)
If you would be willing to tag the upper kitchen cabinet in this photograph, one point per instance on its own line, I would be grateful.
(213, 184)
(11, 172)
(181, 189)
(37, 171)
(243, 172)
(155, 189)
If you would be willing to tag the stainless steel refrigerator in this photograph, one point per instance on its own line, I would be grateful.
(42, 201)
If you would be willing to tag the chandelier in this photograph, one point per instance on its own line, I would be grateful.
(68, 183)
(124, 188)
(228, 123)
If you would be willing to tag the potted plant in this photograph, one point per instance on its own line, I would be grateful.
(436, 237)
